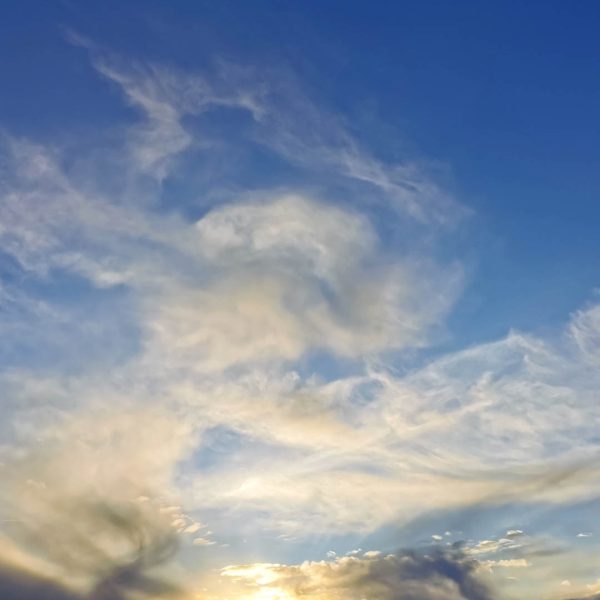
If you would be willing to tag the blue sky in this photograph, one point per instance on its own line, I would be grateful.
(309, 290)
(502, 97)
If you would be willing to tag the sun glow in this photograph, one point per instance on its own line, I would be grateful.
(260, 577)
(271, 593)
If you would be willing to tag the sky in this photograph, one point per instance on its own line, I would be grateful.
(299, 300)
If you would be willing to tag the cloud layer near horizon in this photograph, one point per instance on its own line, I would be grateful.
(402, 576)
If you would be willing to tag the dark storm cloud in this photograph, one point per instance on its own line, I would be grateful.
(113, 548)
(119, 583)
(19, 584)
(413, 576)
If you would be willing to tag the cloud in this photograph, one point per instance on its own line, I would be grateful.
(202, 542)
(58, 221)
(585, 331)
(308, 135)
(83, 518)
(514, 533)
(232, 287)
(94, 551)
(402, 576)
(517, 402)
(510, 563)
(325, 449)
(284, 119)
(165, 96)
(18, 584)
(249, 339)
(292, 274)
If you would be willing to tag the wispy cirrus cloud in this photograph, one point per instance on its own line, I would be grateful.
(284, 119)
(257, 388)
(223, 305)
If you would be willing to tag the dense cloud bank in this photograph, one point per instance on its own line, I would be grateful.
(437, 575)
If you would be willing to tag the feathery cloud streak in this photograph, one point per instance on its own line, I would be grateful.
(237, 361)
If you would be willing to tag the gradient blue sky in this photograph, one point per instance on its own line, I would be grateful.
(317, 276)
(501, 96)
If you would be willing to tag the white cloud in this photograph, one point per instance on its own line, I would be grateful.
(166, 95)
(513, 533)
(516, 402)
(285, 119)
(508, 563)
(201, 541)
(291, 274)
(232, 307)
(307, 135)
(585, 331)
